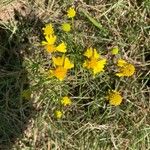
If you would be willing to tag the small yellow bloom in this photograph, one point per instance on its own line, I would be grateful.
(62, 65)
(58, 114)
(66, 101)
(125, 68)
(50, 40)
(49, 43)
(63, 61)
(71, 12)
(114, 98)
(48, 30)
(50, 47)
(115, 51)
(68, 64)
(66, 27)
(94, 62)
(91, 53)
(59, 73)
(61, 47)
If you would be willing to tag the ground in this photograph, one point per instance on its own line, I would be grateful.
(28, 122)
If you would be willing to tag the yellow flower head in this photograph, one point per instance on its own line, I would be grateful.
(66, 101)
(91, 53)
(48, 30)
(94, 62)
(58, 114)
(61, 47)
(125, 69)
(59, 73)
(71, 12)
(114, 98)
(115, 51)
(62, 65)
(49, 43)
(66, 27)
(50, 40)
(63, 61)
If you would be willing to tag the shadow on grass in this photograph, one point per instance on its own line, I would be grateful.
(15, 109)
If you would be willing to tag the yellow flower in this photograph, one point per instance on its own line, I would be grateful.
(50, 47)
(66, 101)
(59, 73)
(125, 68)
(114, 98)
(63, 61)
(49, 43)
(61, 47)
(91, 53)
(66, 27)
(58, 114)
(71, 12)
(62, 65)
(48, 30)
(94, 62)
(115, 51)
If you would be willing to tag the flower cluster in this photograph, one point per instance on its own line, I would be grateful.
(61, 64)
(94, 62)
(65, 101)
(70, 14)
(50, 40)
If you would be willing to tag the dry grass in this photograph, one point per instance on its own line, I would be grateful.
(90, 123)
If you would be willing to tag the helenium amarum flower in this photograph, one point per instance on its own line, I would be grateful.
(58, 114)
(62, 65)
(50, 46)
(71, 12)
(114, 98)
(66, 101)
(124, 68)
(115, 51)
(66, 27)
(48, 30)
(94, 61)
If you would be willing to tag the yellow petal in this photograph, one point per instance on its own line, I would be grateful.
(88, 53)
(99, 66)
(121, 62)
(44, 43)
(96, 55)
(60, 73)
(61, 47)
(85, 64)
(59, 61)
(50, 39)
(68, 64)
(119, 74)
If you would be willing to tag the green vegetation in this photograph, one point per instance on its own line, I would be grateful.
(29, 99)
